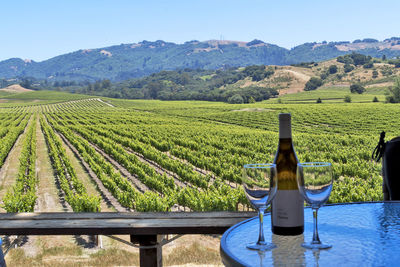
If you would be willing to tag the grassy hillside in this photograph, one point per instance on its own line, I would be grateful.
(243, 85)
(37, 98)
(253, 83)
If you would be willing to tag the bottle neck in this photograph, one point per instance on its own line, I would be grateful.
(285, 129)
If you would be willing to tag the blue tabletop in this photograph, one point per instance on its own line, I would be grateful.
(362, 234)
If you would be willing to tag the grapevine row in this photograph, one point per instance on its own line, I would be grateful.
(74, 190)
(22, 196)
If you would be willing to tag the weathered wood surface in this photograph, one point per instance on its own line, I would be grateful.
(111, 223)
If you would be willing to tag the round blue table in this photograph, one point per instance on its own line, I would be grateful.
(362, 234)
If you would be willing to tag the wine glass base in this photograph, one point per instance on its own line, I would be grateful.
(261, 247)
(316, 246)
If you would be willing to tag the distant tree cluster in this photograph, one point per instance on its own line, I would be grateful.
(355, 59)
(313, 84)
(357, 88)
(348, 68)
(393, 95)
(4, 83)
(305, 64)
(258, 73)
(189, 84)
(26, 83)
(332, 69)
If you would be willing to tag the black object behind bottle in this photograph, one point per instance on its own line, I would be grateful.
(390, 153)
(391, 168)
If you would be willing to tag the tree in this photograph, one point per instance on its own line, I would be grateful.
(347, 99)
(153, 88)
(236, 99)
(324, 75)
(357, 88)
(252, 100)
(319, 100)
(348, 68)
(394, 92)
(375, 99)
(106, 84)
(374, 74)
(368, 65)
(26, 83)
(313, 84)
(359, 59)
(332, 69)
(384, 57)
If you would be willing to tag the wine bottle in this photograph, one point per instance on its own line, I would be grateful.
(287, 208)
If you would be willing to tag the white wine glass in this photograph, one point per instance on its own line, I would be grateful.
(315, 184)
(260, 185)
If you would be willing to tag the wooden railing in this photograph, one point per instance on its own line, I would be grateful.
(144, 229)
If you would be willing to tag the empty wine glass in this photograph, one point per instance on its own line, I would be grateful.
(260, 185)
(315, 184)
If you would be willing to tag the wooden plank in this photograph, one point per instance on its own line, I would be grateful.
(118, 223)
(111, 215)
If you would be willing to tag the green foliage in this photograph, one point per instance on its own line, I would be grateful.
(319, 100)
(375, 74)
(357, 88)
(22, 196)
(375, 99)
(324, 75)
(189, 84)
(354, 58)
(192, 152)
(347, 59)
(236, 99)
(305, 64)
(313, 84)
(332, 69)
(348, 68)
(368, 65)
(258, 73)
(347, 99)
(26, 83)
(394, 92)
(73, 189)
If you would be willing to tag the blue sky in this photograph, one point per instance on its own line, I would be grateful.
(42, 29)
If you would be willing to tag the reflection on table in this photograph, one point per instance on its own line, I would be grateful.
(366, 234)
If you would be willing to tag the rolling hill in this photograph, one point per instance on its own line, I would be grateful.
(125, 61)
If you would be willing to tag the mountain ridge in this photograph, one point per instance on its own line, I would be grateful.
(134, 60)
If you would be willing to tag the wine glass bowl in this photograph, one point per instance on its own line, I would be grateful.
(315, 185)
(260, 184)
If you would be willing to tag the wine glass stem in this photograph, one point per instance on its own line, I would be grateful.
(315, 239)
(261, 239)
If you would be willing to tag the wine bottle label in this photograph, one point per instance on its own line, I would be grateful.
(288, 209)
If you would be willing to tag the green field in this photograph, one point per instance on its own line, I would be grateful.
(190, 153)
(334, 94)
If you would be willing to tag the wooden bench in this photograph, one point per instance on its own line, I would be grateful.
(144, 229)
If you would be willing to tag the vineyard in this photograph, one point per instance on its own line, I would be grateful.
(185, 156)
